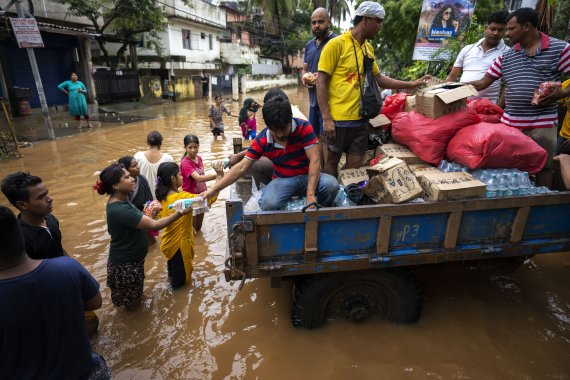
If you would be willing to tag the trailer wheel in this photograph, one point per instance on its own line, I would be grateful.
(356, 296)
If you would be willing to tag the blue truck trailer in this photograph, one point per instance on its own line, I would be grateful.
(357, 261)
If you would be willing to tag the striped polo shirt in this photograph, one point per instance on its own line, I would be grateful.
(288, 161)
(523, 74)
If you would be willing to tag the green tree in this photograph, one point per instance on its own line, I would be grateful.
(126, 19)
(276, 13)
(394, 46)
(338, 9)
(561, 19)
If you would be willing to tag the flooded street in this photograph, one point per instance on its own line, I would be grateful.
(474, 325)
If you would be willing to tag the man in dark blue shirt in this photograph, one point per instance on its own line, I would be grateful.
(41, 230)
(42, 303)
(320, 26)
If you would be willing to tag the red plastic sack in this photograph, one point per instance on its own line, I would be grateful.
(486, 109)
(393, 104)
(426, 137)
(488, 145)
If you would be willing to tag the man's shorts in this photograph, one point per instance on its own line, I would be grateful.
(546, 138)
(350, 140)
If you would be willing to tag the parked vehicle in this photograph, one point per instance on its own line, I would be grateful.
(354, 262)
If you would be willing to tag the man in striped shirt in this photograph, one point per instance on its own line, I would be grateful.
(534, 58)
(292, 146)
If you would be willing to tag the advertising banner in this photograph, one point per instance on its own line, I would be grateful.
(441, 20)
(27, 32)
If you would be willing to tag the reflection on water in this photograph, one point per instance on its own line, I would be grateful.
(473, 325)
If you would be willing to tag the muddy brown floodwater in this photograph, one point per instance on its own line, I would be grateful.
(474, 325)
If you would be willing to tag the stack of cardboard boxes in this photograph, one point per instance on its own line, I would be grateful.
(399, 176)
(396, 175)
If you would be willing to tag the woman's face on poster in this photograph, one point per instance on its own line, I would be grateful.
(447, 13)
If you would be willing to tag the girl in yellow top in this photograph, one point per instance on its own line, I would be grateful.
(178, 238)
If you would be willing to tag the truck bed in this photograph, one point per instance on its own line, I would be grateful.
(293, 243)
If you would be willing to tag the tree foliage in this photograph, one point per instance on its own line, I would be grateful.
(394, 46)
(126, 19)
(561, 20)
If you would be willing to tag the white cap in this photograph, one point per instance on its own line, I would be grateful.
(370, 9)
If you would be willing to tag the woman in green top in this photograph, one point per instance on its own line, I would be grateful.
(76, 91)
(129, 245)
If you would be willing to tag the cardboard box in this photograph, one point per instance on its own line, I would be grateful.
(410, 103)
(391, 181)
(421, 169)
(379, 121)
(451, 186)
(399, 151)
(441, 99)
(297, 113)
(349, 176)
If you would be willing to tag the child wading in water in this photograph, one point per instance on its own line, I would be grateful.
(246, 119)
(192, 170)
(215, 113)
(177, 239)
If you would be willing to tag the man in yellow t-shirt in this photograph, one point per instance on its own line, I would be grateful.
(338, 87)
(564, 137)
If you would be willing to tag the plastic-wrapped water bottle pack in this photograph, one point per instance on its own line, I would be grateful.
(500, 182)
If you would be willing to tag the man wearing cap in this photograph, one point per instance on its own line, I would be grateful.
(338, 87)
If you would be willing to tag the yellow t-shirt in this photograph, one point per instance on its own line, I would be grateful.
(338, 60)
(565, 131)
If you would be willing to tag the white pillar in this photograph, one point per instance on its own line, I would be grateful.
(235, 87)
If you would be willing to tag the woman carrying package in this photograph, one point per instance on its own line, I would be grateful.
(129, 245)
(177, 243)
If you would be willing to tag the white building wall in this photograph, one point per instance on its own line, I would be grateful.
(197, 10)
(56, 11)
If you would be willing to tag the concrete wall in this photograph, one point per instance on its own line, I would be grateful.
(239, 54)
(151, 89)
(57, 11)
(265, 82)
(185, 88)
(198, 10)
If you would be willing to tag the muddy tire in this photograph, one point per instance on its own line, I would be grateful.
(356, 296)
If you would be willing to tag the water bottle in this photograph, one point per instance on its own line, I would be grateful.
(478, 174)
(503, 187)
(443, 166)
(524, 184)
(514, 185)
(198, 204)
(491, 191)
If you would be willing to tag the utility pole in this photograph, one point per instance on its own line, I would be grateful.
(36, 72)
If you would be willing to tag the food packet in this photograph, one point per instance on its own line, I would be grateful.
(545, 88)
(152, 208)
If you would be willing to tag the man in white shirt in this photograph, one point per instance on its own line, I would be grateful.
(474, 60)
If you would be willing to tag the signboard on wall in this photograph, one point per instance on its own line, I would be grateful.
(441, 20)
(27, 32)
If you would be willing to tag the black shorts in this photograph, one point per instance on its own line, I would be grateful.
(217, 131)
(350, 140)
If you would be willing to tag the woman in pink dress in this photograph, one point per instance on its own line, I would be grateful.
(193, 177)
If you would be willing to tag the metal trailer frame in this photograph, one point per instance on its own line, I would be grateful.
(293, 243)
